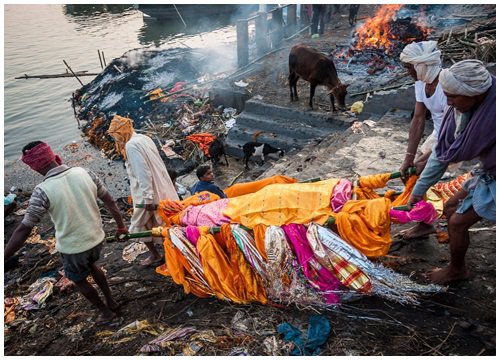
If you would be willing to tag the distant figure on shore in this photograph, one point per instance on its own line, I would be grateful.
(69, 195)
(422, 60)
(149, 180)
(353, 14)
(318, 18)
(206, 182)
(467, 132)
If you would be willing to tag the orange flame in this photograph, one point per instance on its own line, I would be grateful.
(376, 31)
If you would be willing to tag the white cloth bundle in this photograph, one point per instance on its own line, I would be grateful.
(467, 78)
(425, 58)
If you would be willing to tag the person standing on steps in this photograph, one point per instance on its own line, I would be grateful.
(318, 18)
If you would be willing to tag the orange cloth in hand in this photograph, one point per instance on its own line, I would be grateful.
(403, 198)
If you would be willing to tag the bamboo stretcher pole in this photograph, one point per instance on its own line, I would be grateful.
(397, 174)
(157, 232)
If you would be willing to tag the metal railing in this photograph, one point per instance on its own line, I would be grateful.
(266, 30)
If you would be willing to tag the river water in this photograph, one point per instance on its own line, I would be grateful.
(39, 37)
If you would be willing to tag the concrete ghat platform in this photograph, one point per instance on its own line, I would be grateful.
(368, 150)
(285, 128)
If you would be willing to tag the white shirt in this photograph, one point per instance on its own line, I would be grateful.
(435, 104)
(149, 182)
(149, 179)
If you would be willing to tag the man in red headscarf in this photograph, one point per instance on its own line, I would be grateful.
(69, 195)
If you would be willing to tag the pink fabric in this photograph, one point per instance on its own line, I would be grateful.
(206, 215)
(317, 275)
(192, 234)
(342, 192)
(422, 212)
(40, 157)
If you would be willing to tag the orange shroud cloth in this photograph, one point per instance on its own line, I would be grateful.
(203, 140)
(366, 225)
(226, 270)
(259, 234)
(279, 204)
(254, 186)
(180, 270)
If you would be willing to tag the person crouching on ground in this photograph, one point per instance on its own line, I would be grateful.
(467, 132)
(422, 60)
(149, 180)
(206, 182)
(69, 195)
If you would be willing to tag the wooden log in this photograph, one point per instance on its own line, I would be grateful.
(65, 63)
(100, 59)
(467, 43)
(53, 76)
(382, 89)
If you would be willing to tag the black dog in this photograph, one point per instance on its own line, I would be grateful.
(216, 150)
(253, 148)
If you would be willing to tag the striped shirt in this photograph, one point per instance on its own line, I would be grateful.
(39, 203)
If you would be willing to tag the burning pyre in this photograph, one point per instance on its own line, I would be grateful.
(388, 31)
(383, 35)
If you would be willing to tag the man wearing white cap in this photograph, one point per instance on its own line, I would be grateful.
(422, 60)
(467, 132)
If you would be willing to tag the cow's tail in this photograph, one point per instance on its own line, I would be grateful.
(256, 135)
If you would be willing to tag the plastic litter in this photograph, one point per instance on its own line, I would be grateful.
(9, 199)
(357, 107)
(241, 83)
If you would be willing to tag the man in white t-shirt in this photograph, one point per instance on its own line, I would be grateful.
(423, 62)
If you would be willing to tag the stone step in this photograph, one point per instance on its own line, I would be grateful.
(295, 130)
(285, 128)
(372, 150)
(234, 146)
(285, 114)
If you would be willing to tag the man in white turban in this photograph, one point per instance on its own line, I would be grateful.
(467, 132)
(423, 63)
